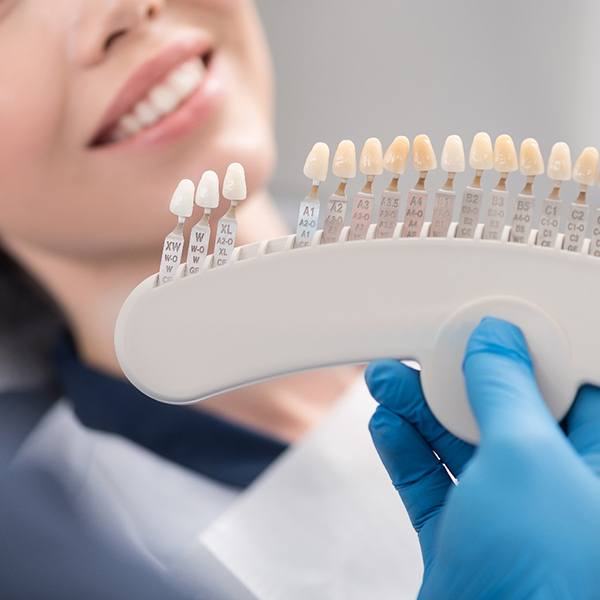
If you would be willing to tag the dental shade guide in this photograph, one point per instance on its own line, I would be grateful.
(315, 168)
(254, 318)
(182, 205)
(453, 162)
(505, 162)
(394, 161)
(559, 170)
(344, 167)
(371, 165)
(207, 198)
(424, 161)
(234, 190)
(481, 158)
(532, 165)
(584, 173)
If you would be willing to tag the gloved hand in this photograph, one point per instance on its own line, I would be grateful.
(524, 520)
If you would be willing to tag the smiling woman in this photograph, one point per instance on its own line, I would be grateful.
(110, 103)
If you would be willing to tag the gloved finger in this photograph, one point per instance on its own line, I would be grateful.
(418, 476)
(583, 426)
(398, 388)
(501, 384)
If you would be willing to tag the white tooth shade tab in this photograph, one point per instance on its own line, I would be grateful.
(234, 184)
(396, 156)
(182, 201)
(423, 154)
(453, 155)
(371, 158)
(207, 192)
(344, 160)
(530, 158)
(505, 154)
(559, 163)
(481, 157)
(586, 166)
(317, 162)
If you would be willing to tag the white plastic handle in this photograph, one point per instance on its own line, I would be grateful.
(276, 310)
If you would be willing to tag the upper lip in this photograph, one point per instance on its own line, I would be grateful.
(147, 76)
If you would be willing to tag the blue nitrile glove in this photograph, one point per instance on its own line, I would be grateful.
(524, 520)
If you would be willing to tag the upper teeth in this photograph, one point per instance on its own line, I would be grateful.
(162, 99)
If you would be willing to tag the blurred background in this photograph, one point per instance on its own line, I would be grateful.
(390, 67)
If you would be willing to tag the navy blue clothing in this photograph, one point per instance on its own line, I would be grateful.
(205, 443)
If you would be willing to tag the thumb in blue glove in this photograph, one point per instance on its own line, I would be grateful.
(524, 521)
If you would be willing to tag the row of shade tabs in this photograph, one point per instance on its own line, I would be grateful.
(484, 156)
(206, 196)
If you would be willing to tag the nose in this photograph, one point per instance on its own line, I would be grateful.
(102, 23)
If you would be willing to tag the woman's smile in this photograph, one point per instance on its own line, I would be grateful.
(166, 97)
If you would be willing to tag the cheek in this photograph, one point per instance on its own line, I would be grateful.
(31, 100)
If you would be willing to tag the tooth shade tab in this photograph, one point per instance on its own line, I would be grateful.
(344, 160)
(396, 156)
(207, 192)
(505, 154)
(423, 154)
(559, 163)
(481, 157)
(530, 158)
(586, 166)
(234, 184)
(453, 155)
(371, 158)
(182, 201)
(317, 162)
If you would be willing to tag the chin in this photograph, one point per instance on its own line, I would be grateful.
(255, 150)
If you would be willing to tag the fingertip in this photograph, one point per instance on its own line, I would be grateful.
(380, 378)
(498, 337)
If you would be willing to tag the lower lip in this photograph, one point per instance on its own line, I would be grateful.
(194, 111)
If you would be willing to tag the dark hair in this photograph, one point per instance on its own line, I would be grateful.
(30, 324)
(21, 296)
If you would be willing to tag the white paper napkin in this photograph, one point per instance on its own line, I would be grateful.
(324, 522)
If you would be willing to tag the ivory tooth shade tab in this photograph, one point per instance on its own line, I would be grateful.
(396, 156)
(586, 166)
(559, 162)
(558, 170)
(481, 157)
(453, 155)
(530, 158)
(505, 162)
(344, 160)
(395, 162)
(234, 184)
(371, 158)
(317, 162)
(423, 154)
(505, 154)
(207, 192)
(584, 173)
(531, 164)
(182, 201)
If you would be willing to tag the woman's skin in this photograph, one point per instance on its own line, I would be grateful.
(87, 217)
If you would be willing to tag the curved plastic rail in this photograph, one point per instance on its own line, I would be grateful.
(275, 310)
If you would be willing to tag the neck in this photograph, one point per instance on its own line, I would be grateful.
(90, 293)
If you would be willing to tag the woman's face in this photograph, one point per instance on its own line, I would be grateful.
(106, 104)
